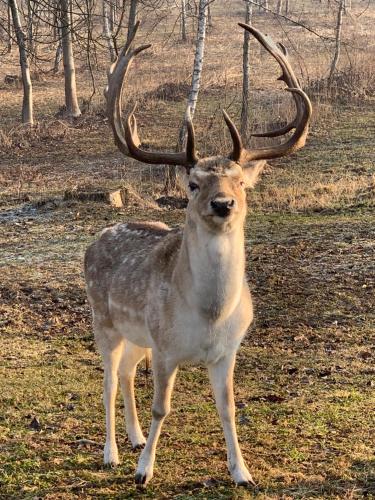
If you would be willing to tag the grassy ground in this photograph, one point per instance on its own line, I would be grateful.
(305, 375)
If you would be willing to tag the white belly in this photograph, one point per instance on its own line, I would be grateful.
(130, 324)
(137, 333)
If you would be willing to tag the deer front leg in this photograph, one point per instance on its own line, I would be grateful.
(131, 356)
(164, 377)
(111, 358)
(221, 377)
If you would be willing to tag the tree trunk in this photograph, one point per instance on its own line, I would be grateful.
(107, 31)
(71, 101)
(209, 16)
(198, 62)
(286, 7)
(279, 6)
(30, 38)
(171, 174)
(338, 41)
(9, 22)
(132, 16)
(27, 104)
(59, 49)
(71, 20)
(245, 69)
(112, 16)
(58, 58)
(183, 21)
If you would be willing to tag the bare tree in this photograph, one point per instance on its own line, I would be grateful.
(132, 17)
(337, 41)
(58, 57)
(171, 173)
(112, 14)
(9, 30)
(183, 21)
(107, 30)
(71, 101)
(209, 15)
(27, 104)
(197, 67)
(245, 70)
(57, 36)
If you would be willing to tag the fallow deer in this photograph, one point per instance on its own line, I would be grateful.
(181, 294)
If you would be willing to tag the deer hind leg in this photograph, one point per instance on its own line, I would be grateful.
(111, 350)
(164, 377)
(221, 377)
(131, 356)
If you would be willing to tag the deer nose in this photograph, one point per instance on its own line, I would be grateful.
(223, 206)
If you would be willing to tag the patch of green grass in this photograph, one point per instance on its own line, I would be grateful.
(303, 379)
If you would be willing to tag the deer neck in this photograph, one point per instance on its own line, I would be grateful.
(210, 269)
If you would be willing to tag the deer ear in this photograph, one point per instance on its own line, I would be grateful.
(183, 177)
(252, 171)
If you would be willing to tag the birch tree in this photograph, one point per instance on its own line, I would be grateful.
(197, 67)
(245, 71)
(71, 101)
(171, 172)
(27, 104)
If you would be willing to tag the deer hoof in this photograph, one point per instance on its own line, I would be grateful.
(111, 456)
(140, 480)
(248, 484)
(242, 477)
(139, 446)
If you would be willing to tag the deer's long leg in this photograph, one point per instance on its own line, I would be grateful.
(111, 354)
(131, 356)
(164, 377)
(221, 377)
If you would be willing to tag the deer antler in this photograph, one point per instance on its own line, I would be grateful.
(125, 134)
(300, 123)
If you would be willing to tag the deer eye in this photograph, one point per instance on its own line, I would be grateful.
(193, 186)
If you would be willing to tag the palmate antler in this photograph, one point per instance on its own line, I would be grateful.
(126, 135)
(300, 123)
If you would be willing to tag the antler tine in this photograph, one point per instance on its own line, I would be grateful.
(300, 123)
(289, 78)
(126, 134)
(191, 153)
(236, 138)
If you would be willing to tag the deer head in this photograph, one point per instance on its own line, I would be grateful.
(215, 185)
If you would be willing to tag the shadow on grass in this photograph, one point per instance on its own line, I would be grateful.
(121, 479)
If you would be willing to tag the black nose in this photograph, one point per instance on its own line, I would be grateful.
(222, 208)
